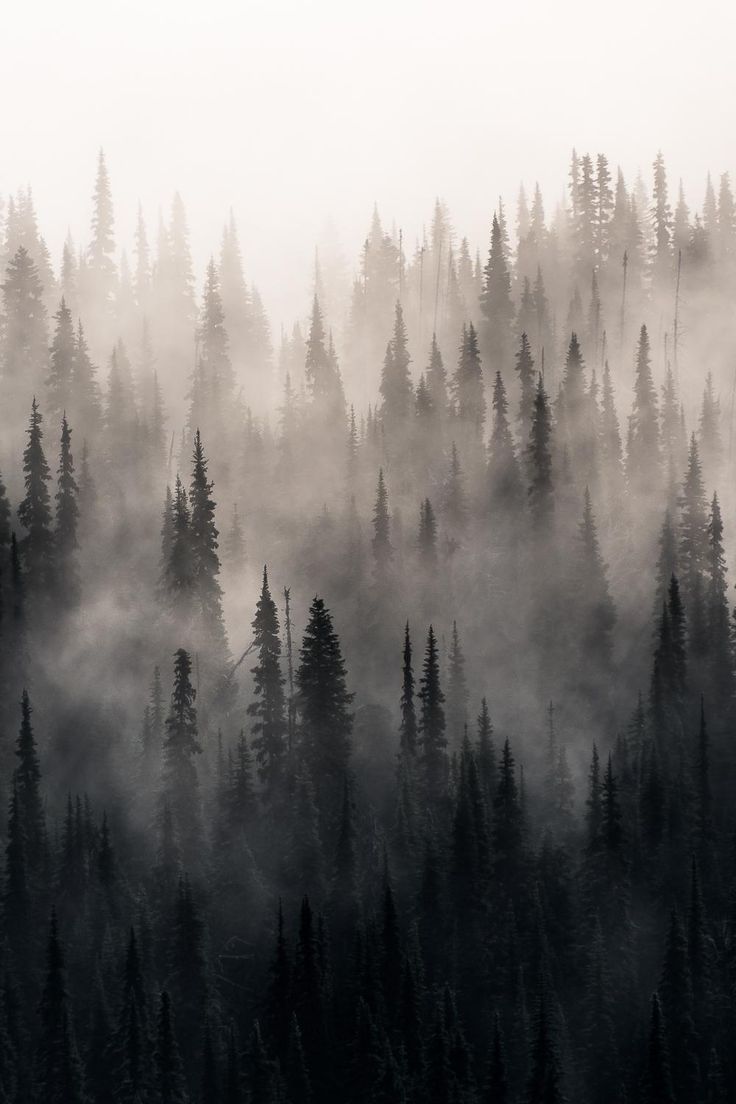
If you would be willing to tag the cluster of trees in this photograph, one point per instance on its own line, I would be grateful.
(458, 828)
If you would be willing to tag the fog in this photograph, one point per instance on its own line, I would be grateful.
(235, 103)
(367, 554)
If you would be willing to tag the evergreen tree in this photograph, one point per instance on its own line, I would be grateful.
(408, 730)
(203, 535)
(427, 537)
(504, 476)
(61, 367)
(525, 372)
(495, 301)
(642, 461)
(58, 1071)
(432, 740)
(27, 781)
(180, 783)
(396, 388)
(269, 708)
(657, 1087)
(34, 510)
(324, 708)
(67, 518)
(382, 550)
(539, 459)
(168, 1072)
(467, 385)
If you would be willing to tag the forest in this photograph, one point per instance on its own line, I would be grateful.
(367, 689)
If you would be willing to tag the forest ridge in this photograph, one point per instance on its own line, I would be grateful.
(437, 805)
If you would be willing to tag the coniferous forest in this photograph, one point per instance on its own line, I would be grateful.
(367, 715)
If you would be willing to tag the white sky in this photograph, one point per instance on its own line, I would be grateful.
(293, 110)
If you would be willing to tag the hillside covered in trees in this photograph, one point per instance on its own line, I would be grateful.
(367, 708)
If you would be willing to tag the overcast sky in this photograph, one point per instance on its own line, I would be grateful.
(294, 110)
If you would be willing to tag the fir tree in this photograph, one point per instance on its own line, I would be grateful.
(58, 1071)
(34, 510)
(180, 783)
(269, 708)
(61, 367)
(67, 518)
(324, 708)
(382, 550)
(539, 459)
(432, 740)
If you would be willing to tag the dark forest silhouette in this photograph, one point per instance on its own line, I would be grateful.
(437, 805)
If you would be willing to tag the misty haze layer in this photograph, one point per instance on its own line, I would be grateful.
(373, 680)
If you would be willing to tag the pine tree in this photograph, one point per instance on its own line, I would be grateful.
(597, 612)
(408, 730)
(467, 386)
(662, 227)
(203, 535)
(539, 460)
(269, 708)
(58, 1071)
(24, 324)
(85, 406)
(382, 550)
(102, 246)
(16, 899)
(167, 1065)
(34, 510)
(396, 387)
(321, 372)
(495, 301)
(61, 367)
(432, 740)
(324, 708)
(214, 342)
(427, 536)
(507, 835)
(456, 706)
(67, 519)
(504, 476)
(720, 671)
(180, 783)
(545, 1077)
(525, 372)
(27, 780)
(642, 461)
(657, 1087)
(437, 380)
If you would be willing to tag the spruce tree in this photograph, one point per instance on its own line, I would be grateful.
(203, 534)
(167, 1064)
(539, 460)
(61, 367)
(67, 520)
(269, 708)
(525, 372)
(324, 709)
(58, 1071)
(643, 454)
(382, 550)
(180, 783)
(432, 739)
(467, 386)
(34, 511)
(495, 301)
(396, 387)
(504, 476)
